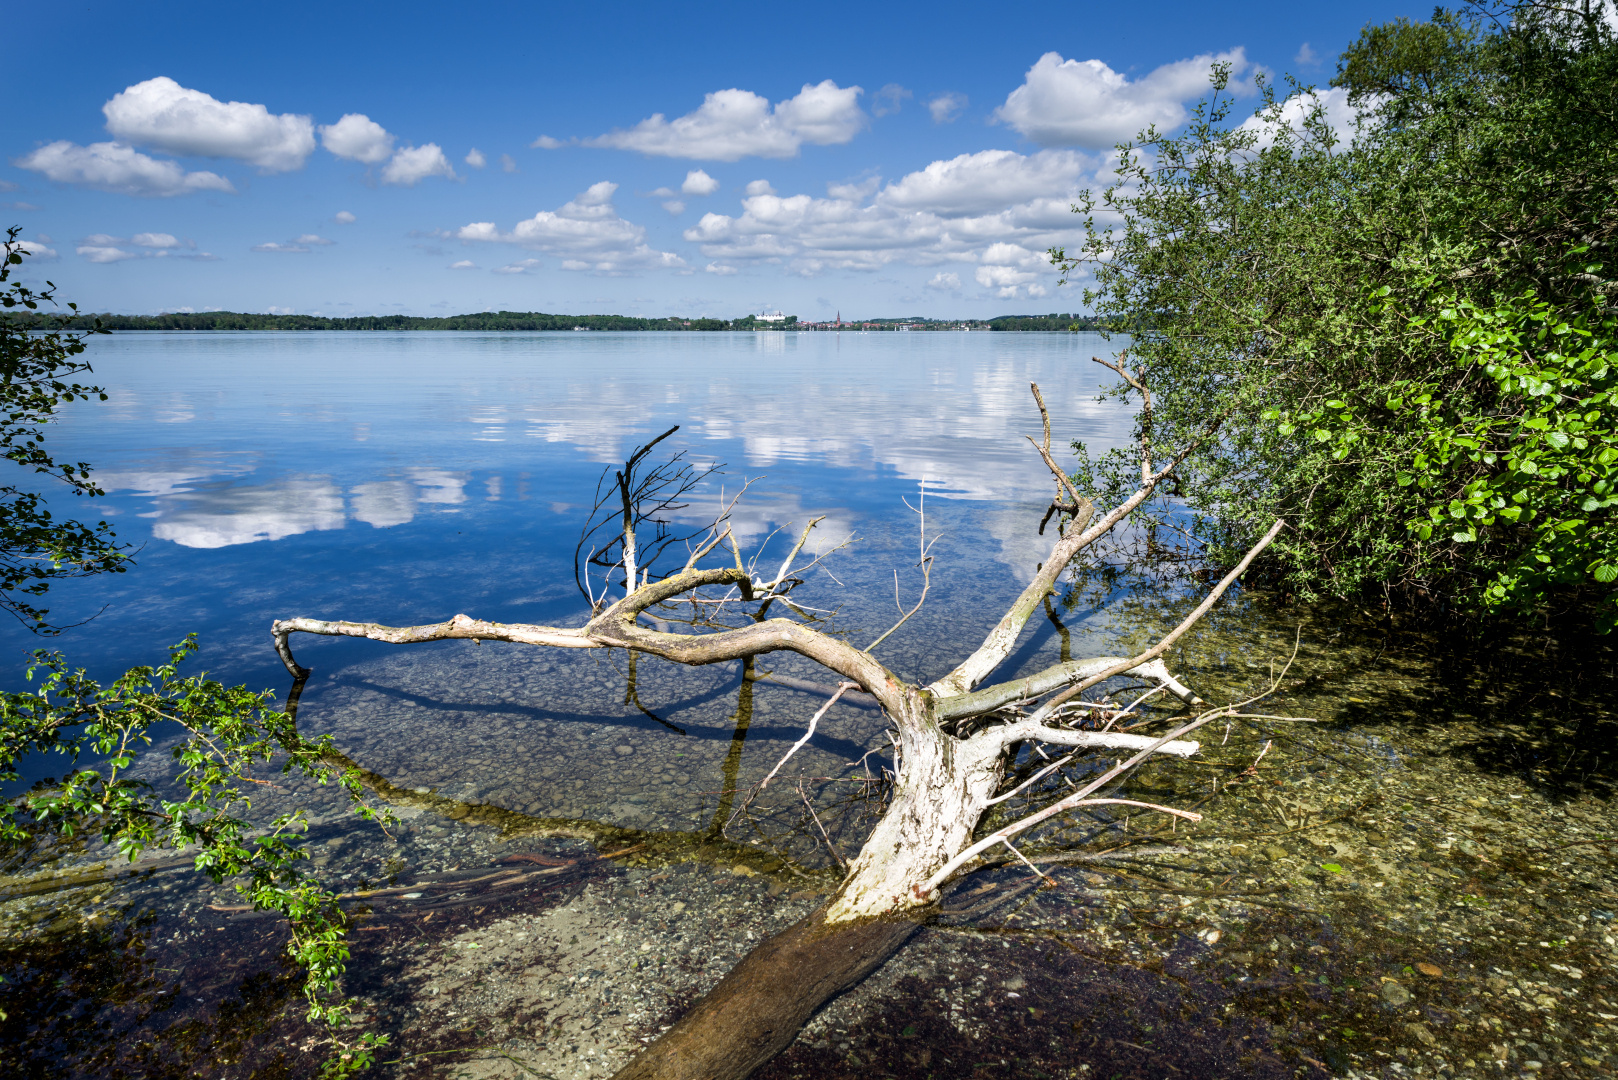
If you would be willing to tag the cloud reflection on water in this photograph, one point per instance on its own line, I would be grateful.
(207, 506)
(221, 515)
(941, 408)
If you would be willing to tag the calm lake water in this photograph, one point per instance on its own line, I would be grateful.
(1406, 865)
(407, 477)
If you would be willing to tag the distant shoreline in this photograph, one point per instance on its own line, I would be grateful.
(498, 321)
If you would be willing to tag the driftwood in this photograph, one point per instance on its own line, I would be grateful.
(954, 740)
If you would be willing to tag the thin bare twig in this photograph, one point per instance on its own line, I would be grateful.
(926, 564)
(807, 735)
(816, 817)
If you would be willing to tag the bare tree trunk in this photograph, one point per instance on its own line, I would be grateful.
(762, 1003)
(941, 790)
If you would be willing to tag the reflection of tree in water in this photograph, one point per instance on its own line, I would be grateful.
(731, 771)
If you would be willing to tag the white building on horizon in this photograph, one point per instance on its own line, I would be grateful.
(766, 316)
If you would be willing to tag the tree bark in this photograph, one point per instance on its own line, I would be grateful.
(760, 1006)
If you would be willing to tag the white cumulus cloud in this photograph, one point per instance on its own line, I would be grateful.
(463, 264)
(946, 107)
(733, 124)
(721, 269)
(698, 182)
(161, 113)
(949, 212)
(944, 281)
(674, 206)
(103, 248)
(356, 137)
(507, 164)
(343, 217)
(413, 164)
(98, 253)
(110, 166)
(1086, 103)
(1008, 268)
(987, 181)
(475, 158)
(586, 233)
(37, 250)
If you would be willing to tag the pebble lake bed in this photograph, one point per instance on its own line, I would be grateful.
(1405, 864)
(1368, 899)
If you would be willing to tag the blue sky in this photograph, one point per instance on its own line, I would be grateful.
(876, 160)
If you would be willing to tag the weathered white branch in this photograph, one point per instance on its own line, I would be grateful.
(1044, 448)
(786, 564)
(1040, 775)
(1027, 729)
(1055, 705)
(461, 626)
(1186, 624)
(1062, 805)
(615, 628)
(926, 565)
(1003, 638)
(1188, 815)
(1079, 672)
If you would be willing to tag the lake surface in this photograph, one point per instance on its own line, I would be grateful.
(407, 477)
(1410, 874)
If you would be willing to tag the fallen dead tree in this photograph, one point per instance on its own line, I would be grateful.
(954, 740)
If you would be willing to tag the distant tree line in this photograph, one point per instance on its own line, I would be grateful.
(483, 320)
(517, 320)
(1049, 322)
